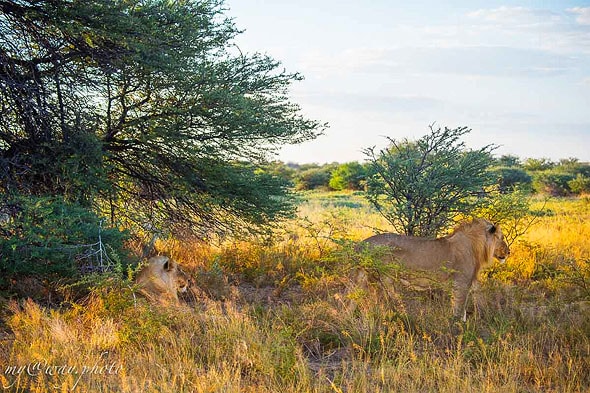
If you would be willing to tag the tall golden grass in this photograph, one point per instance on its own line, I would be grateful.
(284, 315)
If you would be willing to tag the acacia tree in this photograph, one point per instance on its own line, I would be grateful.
(421, 186)
(145, 109)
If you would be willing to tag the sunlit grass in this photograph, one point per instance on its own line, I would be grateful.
(286, 314)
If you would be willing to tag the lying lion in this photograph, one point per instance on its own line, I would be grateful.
(161, 280)
(457, 257)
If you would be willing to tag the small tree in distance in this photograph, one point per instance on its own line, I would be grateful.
(350, 176)
(421, 186)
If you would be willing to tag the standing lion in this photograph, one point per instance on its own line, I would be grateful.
(458, 257)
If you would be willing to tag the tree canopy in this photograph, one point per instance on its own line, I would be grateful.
(421, 186)
(144, 109)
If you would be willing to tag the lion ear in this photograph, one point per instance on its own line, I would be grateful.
(491, 228)
(168, 264)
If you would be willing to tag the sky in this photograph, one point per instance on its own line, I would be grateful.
(516, 73)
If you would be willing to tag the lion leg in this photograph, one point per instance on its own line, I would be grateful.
(459, 301)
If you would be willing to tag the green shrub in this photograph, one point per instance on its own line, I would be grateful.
(313, 178)
(580, 184)
(421, 186)
(552, 182)
(538, 164)
(511, 210)
(350, 176)
(510, 177)
(50, 237)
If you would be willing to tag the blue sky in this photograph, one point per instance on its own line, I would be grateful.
(517, 73)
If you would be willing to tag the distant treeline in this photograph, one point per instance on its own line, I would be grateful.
(565, 177)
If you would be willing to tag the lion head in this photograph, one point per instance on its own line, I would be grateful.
(485, 239)
(161, 280)
(501, 250)
(183, 281)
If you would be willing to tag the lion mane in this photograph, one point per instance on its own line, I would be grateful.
(161, 279)
(458, 257)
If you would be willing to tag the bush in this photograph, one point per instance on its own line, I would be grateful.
(512, 211)
(508, 160)
(552, 182)
(350, 176)
(538, 164)
(510, 177)
(580, 184)
(313, 178)
(50, 237)
(421, 187)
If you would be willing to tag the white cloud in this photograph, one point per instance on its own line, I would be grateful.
(468, 61)
(364, 102)
(516, 16)
(537, 28)
(583, 15)
(513, 74)
(502, 42)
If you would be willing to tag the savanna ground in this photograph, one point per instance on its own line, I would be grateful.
(285, 315)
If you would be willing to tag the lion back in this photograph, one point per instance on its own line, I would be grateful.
(470, 246)
(410, 251)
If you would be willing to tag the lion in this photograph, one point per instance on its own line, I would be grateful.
(458, 257)
(161, 280)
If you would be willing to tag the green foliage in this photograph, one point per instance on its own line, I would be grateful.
(567, 177)
(553, 182)
(314, 178)
(578, 275)
(512, 211)
(421, 186)
(509, 161)
(282, 170)
(52, 237)
(72, 168)
(349, 176)
(572, 165)
(580, 184)
(145, 109)
(510, 177)
(538, 164)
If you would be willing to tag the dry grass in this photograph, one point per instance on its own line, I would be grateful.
(284, 316)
